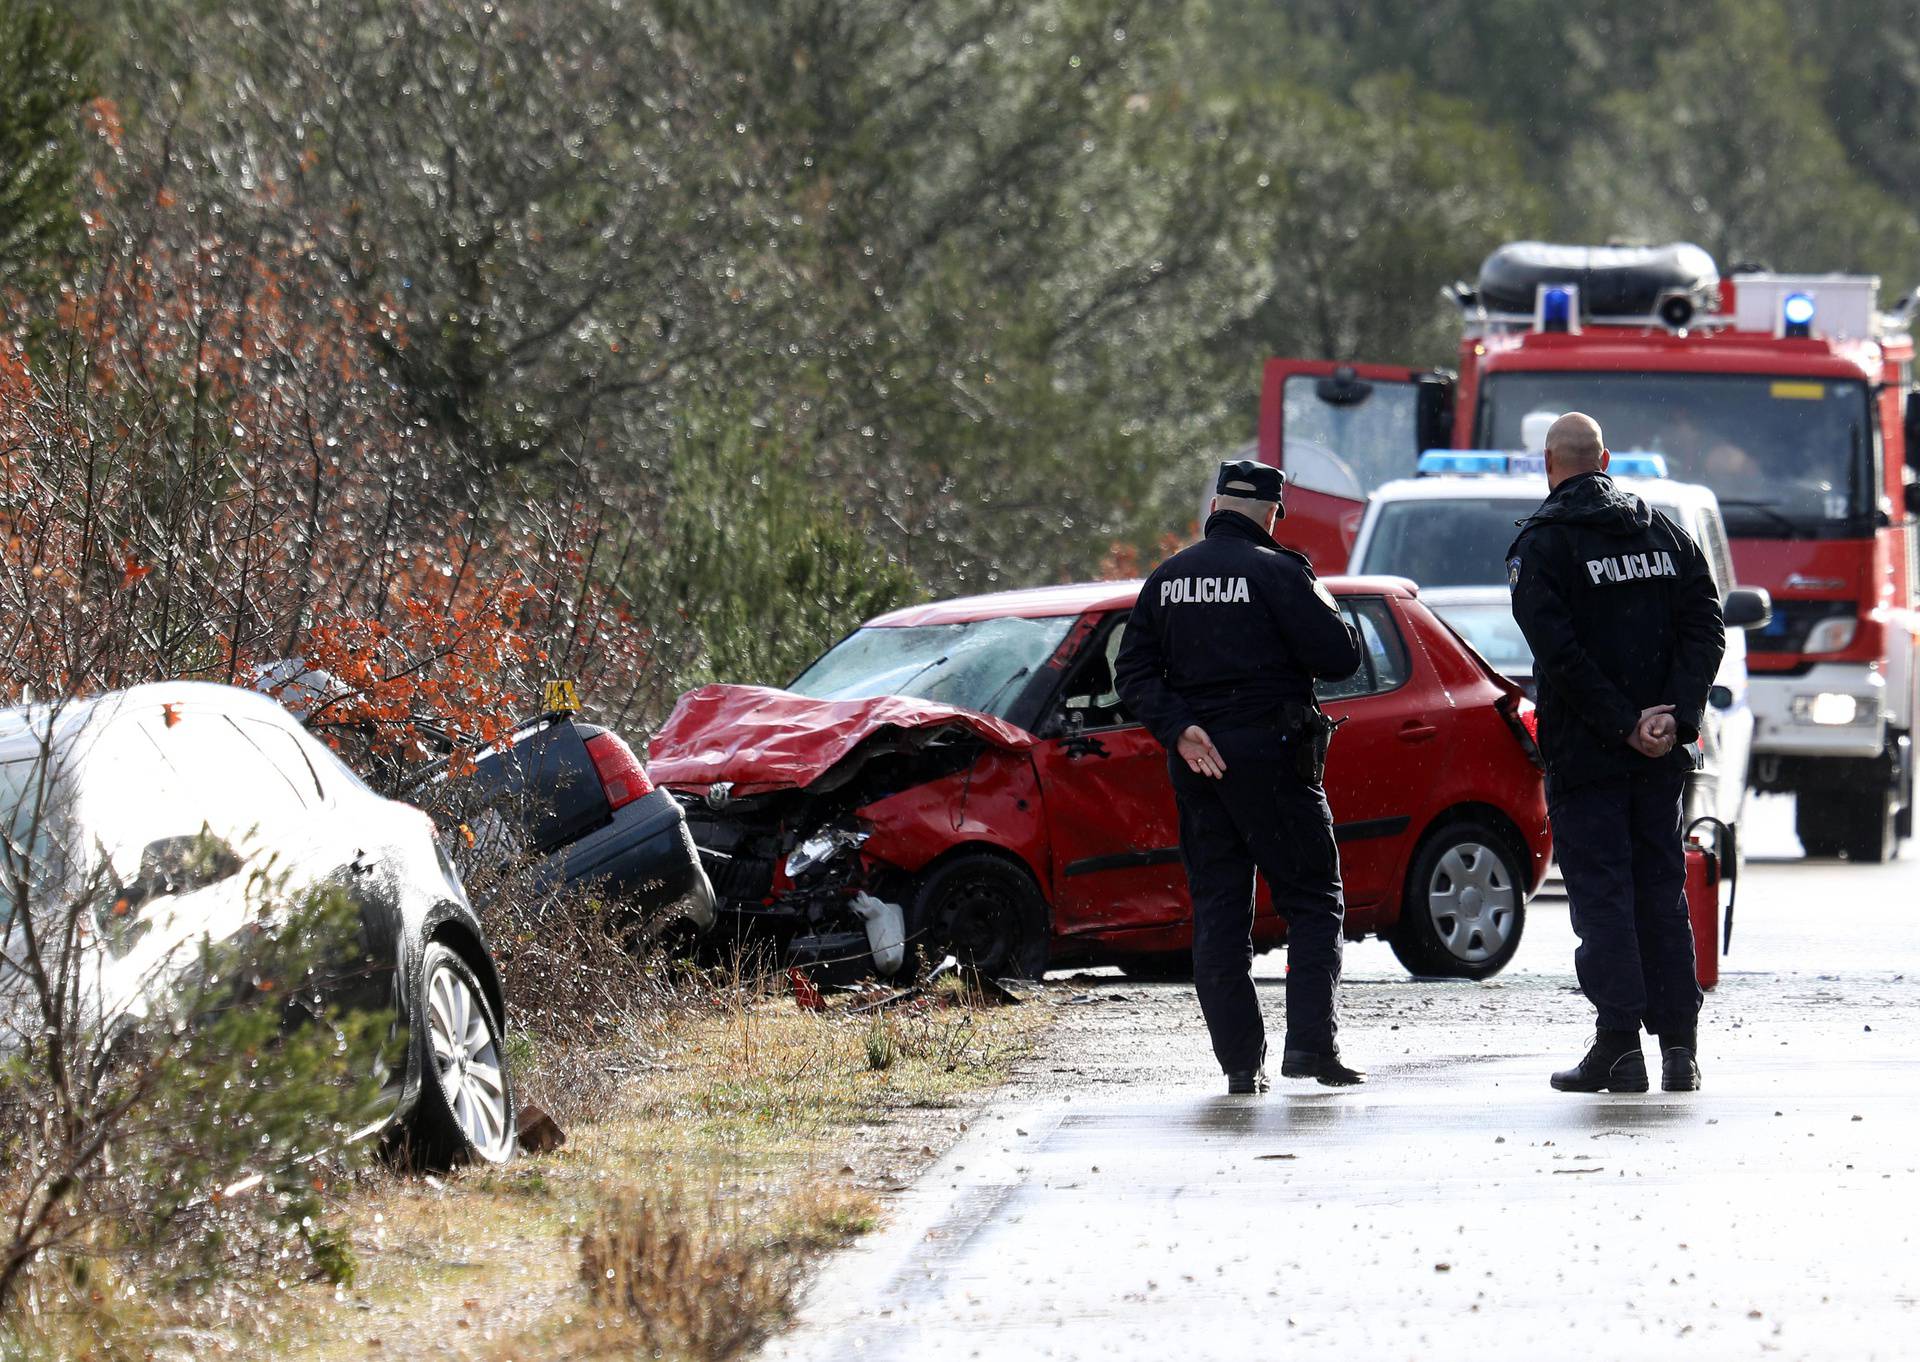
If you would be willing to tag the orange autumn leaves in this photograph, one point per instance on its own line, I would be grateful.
(206, 470)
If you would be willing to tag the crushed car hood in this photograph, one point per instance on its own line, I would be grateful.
(759, 739)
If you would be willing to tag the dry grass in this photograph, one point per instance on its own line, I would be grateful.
(714, 1147)
(715, 1159)
(700, 1273)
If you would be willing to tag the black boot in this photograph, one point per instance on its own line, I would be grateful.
(1322, 1066)
(1679, 1062)
(1613, 1064)
(1254, 1080)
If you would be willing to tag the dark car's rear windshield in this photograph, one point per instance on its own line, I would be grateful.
(978, 665)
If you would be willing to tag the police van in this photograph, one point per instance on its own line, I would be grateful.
(1449, 528)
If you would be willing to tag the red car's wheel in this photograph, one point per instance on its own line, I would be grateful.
(988, 912)
(1465, 905)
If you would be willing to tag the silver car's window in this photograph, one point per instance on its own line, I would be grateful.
(283, 751)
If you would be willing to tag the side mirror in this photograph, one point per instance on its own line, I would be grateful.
(1343, 388)
(1747, 607)
(1910, 429)
(1720, 697)
(1433, 415)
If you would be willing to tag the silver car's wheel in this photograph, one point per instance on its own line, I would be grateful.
(1473, 902)
(1465, 904)
(466, 1109)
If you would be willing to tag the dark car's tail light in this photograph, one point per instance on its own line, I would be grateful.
(1524, 720)
(621, 774)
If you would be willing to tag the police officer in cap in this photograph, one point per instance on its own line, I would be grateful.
(1219, 662)
(1624, 621)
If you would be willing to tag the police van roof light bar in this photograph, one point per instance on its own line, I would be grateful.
(1638, 464)
(1496, 462)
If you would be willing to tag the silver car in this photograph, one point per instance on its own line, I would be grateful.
(182, 797)
(1449, 533)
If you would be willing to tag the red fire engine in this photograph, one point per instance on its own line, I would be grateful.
(1791, 396)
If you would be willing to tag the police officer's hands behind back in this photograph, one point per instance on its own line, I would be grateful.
(1199, 753)
(1654, 735)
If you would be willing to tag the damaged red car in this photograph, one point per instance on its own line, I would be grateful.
(963, 777)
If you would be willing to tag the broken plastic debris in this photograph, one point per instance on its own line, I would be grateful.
(805, 996)
(886, 931)
(1017, 990)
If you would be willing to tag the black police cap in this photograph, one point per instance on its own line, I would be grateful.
(1254, 481)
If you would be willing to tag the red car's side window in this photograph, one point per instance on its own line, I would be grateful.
(1384, 664)
(1092, 698)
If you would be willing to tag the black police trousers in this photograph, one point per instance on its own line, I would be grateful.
(1618, 841)
(1260, 816)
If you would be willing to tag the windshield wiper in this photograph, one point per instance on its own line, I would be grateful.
(1785, 522)
(939, 661)
(1000, 690)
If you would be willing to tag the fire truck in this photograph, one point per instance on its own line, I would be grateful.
(1791, 396)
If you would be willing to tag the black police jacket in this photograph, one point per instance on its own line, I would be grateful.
(1227, 631)
(1621, 613)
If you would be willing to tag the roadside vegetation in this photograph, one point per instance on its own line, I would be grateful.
(452, 348)
(714, 1149)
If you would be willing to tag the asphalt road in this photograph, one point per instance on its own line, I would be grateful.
(1116, 1204)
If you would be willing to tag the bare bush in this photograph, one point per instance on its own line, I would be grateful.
(689, 1273)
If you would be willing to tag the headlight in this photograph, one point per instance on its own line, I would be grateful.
(1830, 636)
(1835, 708)
(821, 848)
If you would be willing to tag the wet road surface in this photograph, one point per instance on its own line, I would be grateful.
(1116, 1204)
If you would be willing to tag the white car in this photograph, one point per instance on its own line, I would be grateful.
(1449, 532)
(156, 815)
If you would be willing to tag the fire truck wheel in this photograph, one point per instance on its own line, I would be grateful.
(1871, 826)
(1464, 907)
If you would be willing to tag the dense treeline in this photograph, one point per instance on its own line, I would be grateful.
(703, 328)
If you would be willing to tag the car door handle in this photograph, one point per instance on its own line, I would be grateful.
(1414, 730)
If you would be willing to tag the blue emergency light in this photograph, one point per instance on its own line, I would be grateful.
(1796, 314)
(1556, 310)
(1476, 461)
(1638, 463)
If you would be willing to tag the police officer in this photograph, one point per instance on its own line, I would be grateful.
(1624, 621)
(1219, 662)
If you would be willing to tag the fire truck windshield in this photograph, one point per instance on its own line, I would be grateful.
(1788, 457)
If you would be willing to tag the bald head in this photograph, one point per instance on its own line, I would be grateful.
(1574, 447)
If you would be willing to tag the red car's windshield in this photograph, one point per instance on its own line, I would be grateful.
(977, 665)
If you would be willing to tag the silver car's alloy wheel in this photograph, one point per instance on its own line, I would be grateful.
(1472, 901)
(467, 1059)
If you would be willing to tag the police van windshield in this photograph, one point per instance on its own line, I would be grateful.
(979, 665)
(1445, 542)
(1788, 457)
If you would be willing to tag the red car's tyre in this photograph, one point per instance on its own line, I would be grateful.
(1465, 905)
(987, 912)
